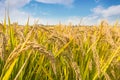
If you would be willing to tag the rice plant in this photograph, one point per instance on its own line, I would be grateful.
(59, 52)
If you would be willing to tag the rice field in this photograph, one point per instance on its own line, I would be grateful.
(59, 52)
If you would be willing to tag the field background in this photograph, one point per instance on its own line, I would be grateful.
(59, 52)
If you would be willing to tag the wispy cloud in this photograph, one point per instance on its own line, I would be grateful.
(16, 3)
(73, 19)
(107, 12)
(86, 20)
(98, 14)
(97, 1)
(16, 15)
(65, 2)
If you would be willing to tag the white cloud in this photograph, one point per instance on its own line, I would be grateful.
(99, 13)
(90, 20)
(74, 20)
(86, 20)
(97, 1)
(20, 16)
(107, 12)
(16, 3)
(16, 15)
(111, 14)
(65, 2)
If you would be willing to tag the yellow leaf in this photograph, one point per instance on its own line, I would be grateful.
(9, 71)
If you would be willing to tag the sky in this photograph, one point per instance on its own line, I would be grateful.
(86, 12)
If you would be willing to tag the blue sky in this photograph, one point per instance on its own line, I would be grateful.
(64, 11)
